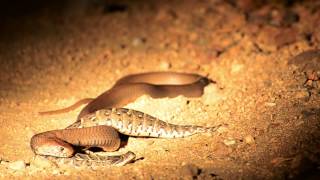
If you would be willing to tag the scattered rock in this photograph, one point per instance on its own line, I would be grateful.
(249, 139)
(57, 172)
(2, 162)
(164, 65)
(19, 165)
(270, 104)
(222, 129)
(308, 64)
(229, 141)
(138, 41)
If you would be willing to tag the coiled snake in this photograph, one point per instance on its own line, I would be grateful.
(100, 122)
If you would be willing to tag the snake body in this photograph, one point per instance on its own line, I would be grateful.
(129, 88)
(135, 123)
(57, 142)
(100, 122)
(154, 84)
(100, 129)
(92, 161)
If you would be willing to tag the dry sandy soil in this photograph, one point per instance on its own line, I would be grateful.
(263, 57)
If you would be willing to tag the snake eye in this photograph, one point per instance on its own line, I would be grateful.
(61, 149)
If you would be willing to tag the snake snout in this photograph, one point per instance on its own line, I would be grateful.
(54, 150)
(50, 146)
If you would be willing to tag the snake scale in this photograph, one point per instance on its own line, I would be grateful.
(100, 122)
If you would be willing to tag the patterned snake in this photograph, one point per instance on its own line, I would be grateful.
(100, 122)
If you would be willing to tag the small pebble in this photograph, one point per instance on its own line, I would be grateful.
(17, 165)
(229, 142)
(222, 129)
(56, 172)
(270, 104)
(138, 41)
(249, 139)
(42, 162)
(164, 65)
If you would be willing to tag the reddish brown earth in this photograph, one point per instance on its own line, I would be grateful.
(267, 92)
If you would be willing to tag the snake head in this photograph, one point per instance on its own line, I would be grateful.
(57, 151)
(51, 147)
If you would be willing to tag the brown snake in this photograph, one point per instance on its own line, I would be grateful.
(99, 123)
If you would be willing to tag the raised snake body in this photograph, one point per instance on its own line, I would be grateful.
(154, 84)
(98, 123)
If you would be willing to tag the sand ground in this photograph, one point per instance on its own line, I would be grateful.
(52, 57)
